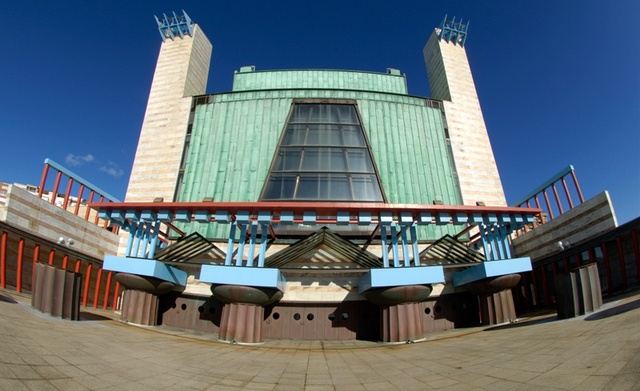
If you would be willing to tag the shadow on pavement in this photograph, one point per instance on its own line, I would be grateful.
(7, 299)
(84, 316)
(615, 310)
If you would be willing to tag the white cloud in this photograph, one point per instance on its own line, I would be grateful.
(112, 169)
(77, 160)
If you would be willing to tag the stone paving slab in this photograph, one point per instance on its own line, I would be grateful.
(600, 351)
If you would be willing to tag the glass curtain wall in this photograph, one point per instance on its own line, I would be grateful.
(323, 156)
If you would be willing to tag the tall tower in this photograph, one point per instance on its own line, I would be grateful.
(181, 72)
(451, 81)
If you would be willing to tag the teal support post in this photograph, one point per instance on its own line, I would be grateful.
(405, 245)
(263, 245)
(394, 245)
(252, 243)
(414, 245)
(384, 244)
(154, 239)
(232, 238)
(241, 243)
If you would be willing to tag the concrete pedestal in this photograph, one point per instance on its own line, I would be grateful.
(141, 298)
(497, 308)
(243, 311)
(56, 291)
(400, 313)
(401, 322)
(241, 323)
(140, 307)
(578, 292)
(495, 298)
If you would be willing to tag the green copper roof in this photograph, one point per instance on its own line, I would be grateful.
(235, 135)
(314, 79)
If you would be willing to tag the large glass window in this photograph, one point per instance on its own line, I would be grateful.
(323, 155)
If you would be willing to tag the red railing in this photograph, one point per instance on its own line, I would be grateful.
(66, 200)
(19, 251)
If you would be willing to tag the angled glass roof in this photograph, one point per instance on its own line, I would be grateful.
(323, 155)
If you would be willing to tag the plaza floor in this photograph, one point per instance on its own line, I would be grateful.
(599, 351)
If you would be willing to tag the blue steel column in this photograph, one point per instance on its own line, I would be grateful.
(405, 246)
(505, 242)
(146, 238)
(263, 245)
(252, 243)
(414, 245)
(242, 241)
(383, 243)
(485, 239)
(232, 237)
(154, 239)
(394, 245)
(136, 241)
(132, 233)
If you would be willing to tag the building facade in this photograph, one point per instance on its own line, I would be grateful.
(314, 204)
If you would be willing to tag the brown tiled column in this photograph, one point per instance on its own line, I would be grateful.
(495, 298)
(400, 314)
(141, 298)
(243, 311)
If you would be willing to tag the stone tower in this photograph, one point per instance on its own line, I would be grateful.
(451, 81)
(181, 72)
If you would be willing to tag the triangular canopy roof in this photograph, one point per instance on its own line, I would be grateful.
(329, 243)
(449, 251)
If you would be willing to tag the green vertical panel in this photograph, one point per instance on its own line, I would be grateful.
(234, 139)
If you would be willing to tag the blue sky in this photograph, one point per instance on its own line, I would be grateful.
(559, 82)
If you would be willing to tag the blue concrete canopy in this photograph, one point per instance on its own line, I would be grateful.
(258, 277)
(491, 269)
(145, 267)
(399, 276)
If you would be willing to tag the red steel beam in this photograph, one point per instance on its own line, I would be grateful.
(79, 199)
(575, 181)
(555, 194)
(52, 257)
(566, 191)
(43, 180)
(19, 265)
(86, 212)
(36, 258)
(65, 261)
(77, 267)
(67, 194)
(546, 201)
(105, 300)
(87, 282)
(96, 292)
(116, 293)
(321, 208)
(3, 258)
(56, 185)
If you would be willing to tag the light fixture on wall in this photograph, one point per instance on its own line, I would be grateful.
(67, 242)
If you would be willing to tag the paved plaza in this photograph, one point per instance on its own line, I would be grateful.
(600, 351)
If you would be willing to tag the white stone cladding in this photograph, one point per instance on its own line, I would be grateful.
(181, 71)
(450, 80)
